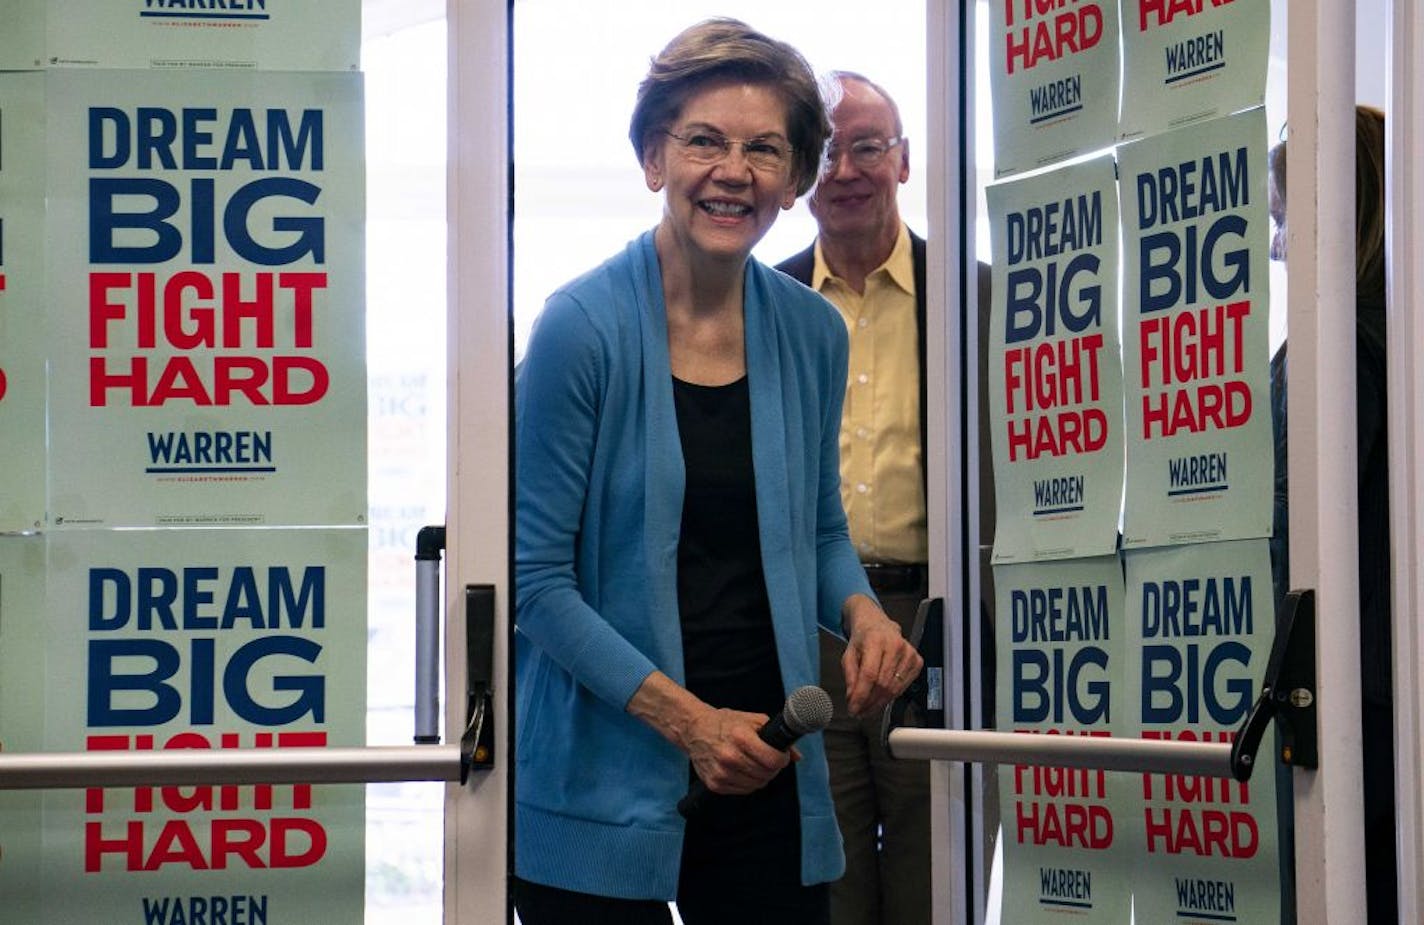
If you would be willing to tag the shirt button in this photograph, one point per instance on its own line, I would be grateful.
(862, 323)
(866, 547)
(862, 488)
(862, 378)
(863, 433)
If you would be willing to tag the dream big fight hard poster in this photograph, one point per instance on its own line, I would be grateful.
(1196, 329)
(1053, 71)
(182, 342)
(1055, 379)
(22, 315)
(208, 348)
(1128, 391)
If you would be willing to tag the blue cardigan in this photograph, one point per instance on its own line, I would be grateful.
(598, 511)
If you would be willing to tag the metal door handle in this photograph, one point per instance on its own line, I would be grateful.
(191, 767)
(1150, 756)
(429, 545)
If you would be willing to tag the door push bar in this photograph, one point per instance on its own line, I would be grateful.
(191, 767)
(1287, 696)
(184, 767)
(477, 741)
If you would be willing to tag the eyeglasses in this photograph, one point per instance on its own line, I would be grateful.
(711, 147)
(865, 153)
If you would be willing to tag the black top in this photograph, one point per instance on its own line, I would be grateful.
(1376, 688)
(727, 642)
(1371, 374)
(729, 650)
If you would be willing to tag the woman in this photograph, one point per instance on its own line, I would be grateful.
(1377, 691)
(679, 527)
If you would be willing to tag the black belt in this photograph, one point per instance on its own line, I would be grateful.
(895, 577)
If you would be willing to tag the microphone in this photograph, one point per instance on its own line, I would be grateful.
(808, 709)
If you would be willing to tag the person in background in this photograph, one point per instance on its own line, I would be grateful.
(1381, 878)
(679, 528)
(872, 268)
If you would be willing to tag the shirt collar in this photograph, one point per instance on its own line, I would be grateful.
(899, 266)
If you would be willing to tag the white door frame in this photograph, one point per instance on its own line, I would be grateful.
(1329, 834)
(1404, 129)
(955, 804)
(478, 516)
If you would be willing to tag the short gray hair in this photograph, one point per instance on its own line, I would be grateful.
(832, 92)
(722, 49)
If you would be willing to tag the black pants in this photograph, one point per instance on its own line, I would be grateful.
(545, 905)
(711, 904)
(740, 865)
(1381, 865)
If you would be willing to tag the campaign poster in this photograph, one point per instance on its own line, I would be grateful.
(1055, 379)
(1060, 664)
(272, 35)
(22, 338)
(162, 640)
(22, 40)
(1053, 75)
(1196, 318)
(1201, 622)
(22, 684)
(1188, 60)
(206, 299)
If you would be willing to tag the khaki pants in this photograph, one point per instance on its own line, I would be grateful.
(882, 805)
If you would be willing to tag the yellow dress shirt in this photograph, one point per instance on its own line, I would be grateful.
(881, 482)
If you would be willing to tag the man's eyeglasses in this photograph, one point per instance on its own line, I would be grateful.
(865, 153)
(710, 147)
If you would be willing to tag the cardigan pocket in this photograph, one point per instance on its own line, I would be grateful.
(530, 721)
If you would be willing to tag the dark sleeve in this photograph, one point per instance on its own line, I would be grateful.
(1280, 522)
(800, 266)
(1371, 387)
(1371, 409)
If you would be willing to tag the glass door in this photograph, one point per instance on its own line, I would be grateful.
(990, 637)
(245, 654)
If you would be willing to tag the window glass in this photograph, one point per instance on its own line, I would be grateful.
(579, 191)
(404, 62)
(983, 177)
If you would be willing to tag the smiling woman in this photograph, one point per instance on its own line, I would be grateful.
(721, 196)
(650, 634)
(578, 194)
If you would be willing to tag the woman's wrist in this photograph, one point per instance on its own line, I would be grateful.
(855, 610)
(668, 707)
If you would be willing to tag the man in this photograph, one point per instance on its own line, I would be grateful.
(867, 262)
